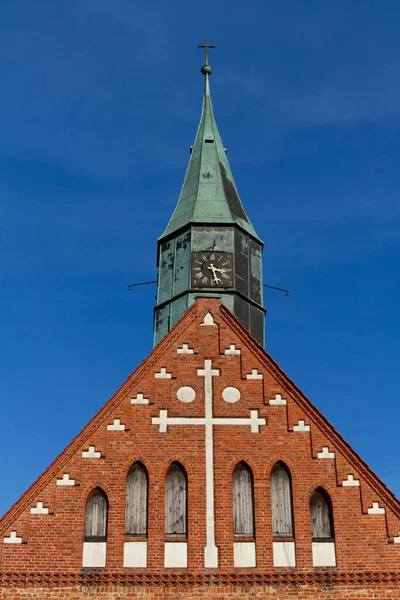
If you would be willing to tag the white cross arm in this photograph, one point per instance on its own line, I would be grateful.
(254, 421)
(164, 420)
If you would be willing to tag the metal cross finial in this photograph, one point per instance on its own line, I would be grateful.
(206, 45)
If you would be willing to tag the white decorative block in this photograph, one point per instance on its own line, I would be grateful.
(140, 399)
(254, 375)
(163, 374)
(232, 350)
(116, 426)
(301, 427)
(135, 554)
(65, 480)
(94, 554)
(175, 554)
(324, 554)
(91, 453)
(211, 557)
(185, 349)
(284, 554)
(12, 538)
(350, 481)
(231, 395)
(244, 554)
(186, 394)
(376, 509)
(277, 401)
(396, 539)
(39, 509)
(208, 320)
(325, 453)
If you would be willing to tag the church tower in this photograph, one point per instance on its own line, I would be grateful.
(209, 247)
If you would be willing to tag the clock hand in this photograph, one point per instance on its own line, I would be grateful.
(214, 269)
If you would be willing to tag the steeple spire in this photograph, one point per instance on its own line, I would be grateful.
(209, 193)
(209, 247)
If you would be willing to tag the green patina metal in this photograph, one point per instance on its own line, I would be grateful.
(209, 193)
(209, 216)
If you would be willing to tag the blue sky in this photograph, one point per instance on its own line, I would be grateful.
(100, 101)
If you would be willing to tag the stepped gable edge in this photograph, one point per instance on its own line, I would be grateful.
(40, 483)
(312, 411)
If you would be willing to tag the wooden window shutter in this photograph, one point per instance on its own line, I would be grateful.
(281, 502)
(321, 516)
(136, 500)
(176, 501)
(242, 497)
(96, 516)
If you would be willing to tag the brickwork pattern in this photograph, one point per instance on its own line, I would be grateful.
(52, 543)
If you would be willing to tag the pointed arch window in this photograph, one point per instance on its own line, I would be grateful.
(96, 517)
(281, 502)
(136, 500)
(176, 501)
(321, 516)
(243, 501)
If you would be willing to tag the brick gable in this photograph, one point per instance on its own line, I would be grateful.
(259, 417)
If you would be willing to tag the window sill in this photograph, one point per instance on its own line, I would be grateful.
(134, 537)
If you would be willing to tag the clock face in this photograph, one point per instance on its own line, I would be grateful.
(212, 269)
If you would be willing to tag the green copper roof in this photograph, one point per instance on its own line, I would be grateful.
(209, 193)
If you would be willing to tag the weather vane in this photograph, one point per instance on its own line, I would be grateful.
(206, 45)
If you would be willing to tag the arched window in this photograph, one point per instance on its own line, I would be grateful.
(281, 502)
(242, 497)
(321, 516)
(136, 500)
(176, 501)
(96, 517)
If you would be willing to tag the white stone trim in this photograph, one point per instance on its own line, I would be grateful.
(175, 554)
(277, 401)
(94, 554)
(65, 480)
(324, 554)
(301, 427)
(12, 539)
(135, 554)
(231, 394)
(350, 481)
(91, 453)
(376, 509)
(140, 399)
(186, 394)
(116, 426)
(232, 350)
(325, 453)
(185, 349)
(244, 554)
(254, 374)
(396, 539)
(163, 374)
(163, 420)
(208, 320)
(39, 509)
(284, 554)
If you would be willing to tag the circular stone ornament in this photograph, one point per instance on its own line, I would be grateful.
(231, 394)
(186, 394)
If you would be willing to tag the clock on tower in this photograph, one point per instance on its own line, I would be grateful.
(212, 269)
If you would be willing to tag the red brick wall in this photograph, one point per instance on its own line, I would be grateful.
(374, 591)
(53, 543)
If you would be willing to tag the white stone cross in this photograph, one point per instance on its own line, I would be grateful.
(254, 421)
